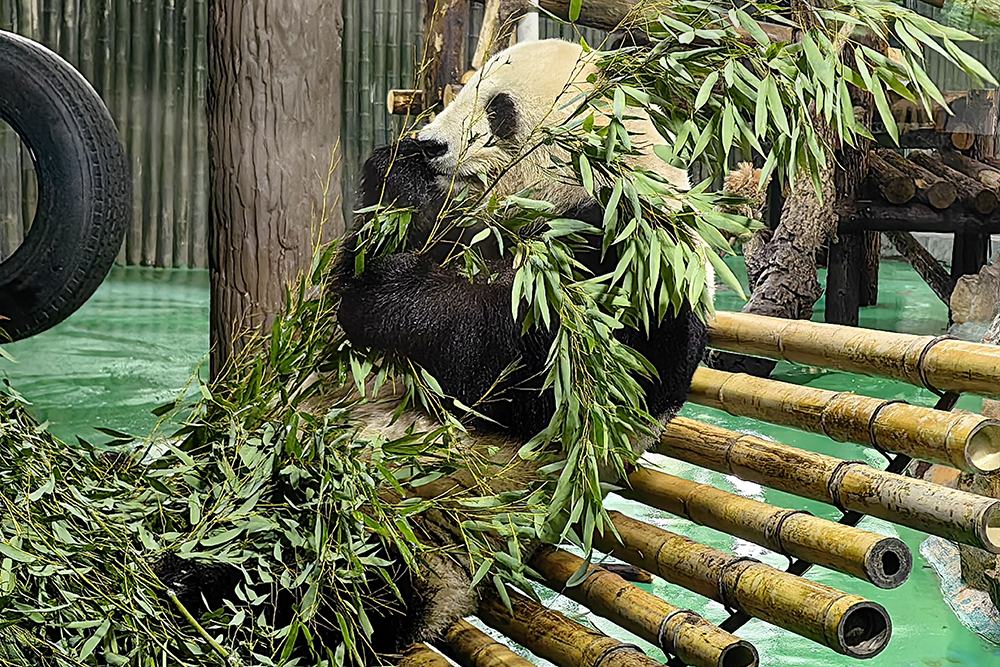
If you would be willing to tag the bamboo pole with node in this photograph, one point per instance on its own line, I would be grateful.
(846, 623)
(471, 647)
(422, 655)
(940, 364)
(963, 440)
(883, 561)
(678, 632)
(550, 635)
(850, 485)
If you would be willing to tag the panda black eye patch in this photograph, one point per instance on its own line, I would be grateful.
(502, 114)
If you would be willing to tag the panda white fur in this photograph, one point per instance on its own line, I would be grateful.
(463, 332)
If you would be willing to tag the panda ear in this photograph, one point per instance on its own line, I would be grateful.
(503, 116)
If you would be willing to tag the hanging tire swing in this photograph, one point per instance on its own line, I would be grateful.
(84, 188)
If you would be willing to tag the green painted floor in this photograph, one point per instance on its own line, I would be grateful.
(145, 333)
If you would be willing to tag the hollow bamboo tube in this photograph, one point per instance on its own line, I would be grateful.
(883, 561)
(960, 439)
(421, 655)
(941, 364)
(846, 623)
(550, 635)
(677, 631)
(471, 647)
(852, 485)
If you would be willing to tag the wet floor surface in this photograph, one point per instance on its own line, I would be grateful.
(139, 341)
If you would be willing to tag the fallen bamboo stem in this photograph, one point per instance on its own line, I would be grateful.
(851, 485)
(884, 561)
(846, 623)
(471, 647)
(677, 631)
(550, 635)
(940, 364)
(421, 655)
(962, 440)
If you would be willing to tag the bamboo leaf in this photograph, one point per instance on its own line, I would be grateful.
(706, 89)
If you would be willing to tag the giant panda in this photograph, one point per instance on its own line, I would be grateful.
(463, 332)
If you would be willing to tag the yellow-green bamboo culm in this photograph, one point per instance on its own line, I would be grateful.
(421, 655)
(846, 623)
(959, 439)
(471, 647)
(550, 635)
(677, 631)
(851, 485)
(883, 561)
(940, 364)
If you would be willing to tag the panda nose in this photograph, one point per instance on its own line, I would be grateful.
(432, 148)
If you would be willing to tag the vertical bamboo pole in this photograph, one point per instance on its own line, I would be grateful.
(154, 137)
(138, 126)
(185, 130)
(87, 49)
(471, 647)
(52, 23)
(677, 631)
(550, 635)
(366, 79)
(168, 173)
(104, 67)
(120, 84)
(10, 191)
(380, 73)
(199, 216)
(394, 56)
(69, 31)
(349, 136)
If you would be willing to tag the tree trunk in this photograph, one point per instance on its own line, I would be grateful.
(274, 99)
(445, 34)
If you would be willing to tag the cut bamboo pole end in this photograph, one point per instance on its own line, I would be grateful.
(550, 635)
(959, 439)
(471, 647)
(939, 364)
(677, 631)
(422, 655)
(884, 561)
(850, 485)
(846, 623)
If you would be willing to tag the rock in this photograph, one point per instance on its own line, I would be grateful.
(975, 298)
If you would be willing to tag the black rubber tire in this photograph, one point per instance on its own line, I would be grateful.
(84, 188)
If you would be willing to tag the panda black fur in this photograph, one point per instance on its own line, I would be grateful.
(463, 332)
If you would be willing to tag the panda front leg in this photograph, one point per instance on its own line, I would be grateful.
(463, 333)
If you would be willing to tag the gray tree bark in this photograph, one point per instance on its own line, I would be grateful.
(274, 105)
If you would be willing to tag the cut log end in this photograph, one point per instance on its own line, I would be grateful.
(889, 563)
(742, 654)
(401, 102)
(982, 451)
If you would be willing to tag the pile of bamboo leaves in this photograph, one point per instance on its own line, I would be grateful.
(301, 507)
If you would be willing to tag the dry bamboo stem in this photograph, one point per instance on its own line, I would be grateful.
(421, 655)
(883, 561)
(848, 624)
(677, 631)
(552, 636)
(963, 440)
(851, 485)
(471, 647)
(937, 363)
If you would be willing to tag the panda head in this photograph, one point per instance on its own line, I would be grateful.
(489, 134)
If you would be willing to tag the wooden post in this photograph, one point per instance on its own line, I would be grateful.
(445, 35)
(273, 113)
(843, 279)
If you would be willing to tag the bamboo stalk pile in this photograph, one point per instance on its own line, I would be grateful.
(841, 621)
